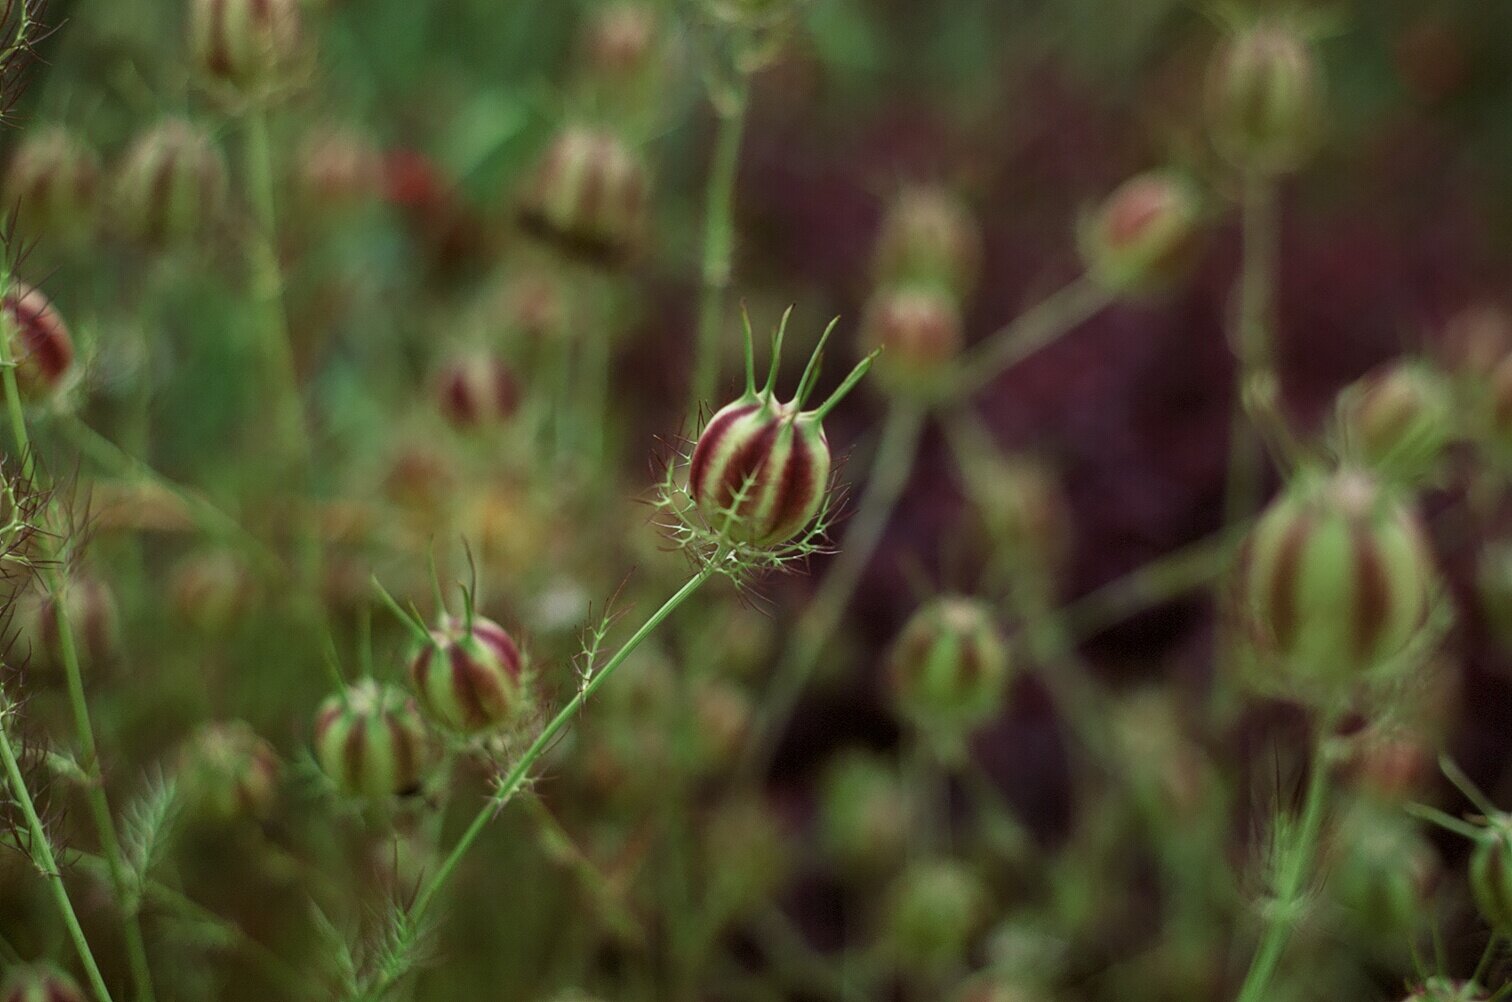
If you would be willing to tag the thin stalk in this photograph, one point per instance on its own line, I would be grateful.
(719, 237)
(899, 444)
(1063, 310)
(519, 775)
(99, 803)
(40, 848)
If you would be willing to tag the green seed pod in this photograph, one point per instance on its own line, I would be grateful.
(471, 676)
(1264, 99)
(949, 667)
(864, 815)
(53, 181)
(171, 184)
(1396, 421)
(1384, 874)
(1146, 235)
(40, 982)
(1491, 875)
(1026, 513)
(918, 329)
(588, 196)
(247, 45)
(1336, 579)
(929, 238)
(372, 742)
(227, 772)
(933, 910)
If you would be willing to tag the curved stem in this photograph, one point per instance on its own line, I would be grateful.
(1063, 310)
(719, 238)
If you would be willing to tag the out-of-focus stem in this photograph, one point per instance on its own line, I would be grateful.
(719, 237)
(1061, 311)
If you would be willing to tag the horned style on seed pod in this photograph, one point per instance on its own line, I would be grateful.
(53, 181)
(928, 237)
(41, 982)
(1491, 873)
(477, 390)
(470, 675)
(759, 473)
(1335, 581)
(1396, 421)
(371, 741)
(949, 666)
(588, 196)
(1146, 235)
(919, 329)
(248, 45)
(226, 772)
(1264, 98)
(40, 345)
(171, 184)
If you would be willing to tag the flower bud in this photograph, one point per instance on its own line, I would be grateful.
(918, 329)
(248, 45)
(1264, 99)
(90, 608)
(172, 183)
(40, 345)
(477, 390)
(227, 772)
(1337, 579)
(1145, 236)
(53, 181)
(865, 819)
(371, 741)
(471, 675)
(930, 238)
(210, 590)
(588, 196)
(1396, 421)
(40, 982)
(933, 910)
(1491, 874)
(949, 667)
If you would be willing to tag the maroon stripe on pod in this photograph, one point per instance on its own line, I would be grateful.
(1371, 594)
(260, 11)
(420, 667)
(459, 397)
(971, 656)
(748, 464)
(405, 764)
(354, 750)
(57, 991)
(218, 58)
(501, 643)
(160, 185)
(796, 489)
(708, 444)
(325, 719)
(465, 684)
(1281, 601)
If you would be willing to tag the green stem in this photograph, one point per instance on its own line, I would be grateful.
(1292, 876)
(99, 803)
(719, 238)
(40, 848)
(901, 432)
(520, 773)
(1030, 331)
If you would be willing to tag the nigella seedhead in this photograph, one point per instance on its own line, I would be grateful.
(470, 675)
(1265, 97)
(1396, 420)
(371, 741)
(477, 390)
(40, 345)
(247, 46)
(41, 982)
(228, 772)
(919, 328)
(949, 667)
(171, 183)
(54, 180)
(929, 237)
(589, 196)
(1146, 235)
(758, 477)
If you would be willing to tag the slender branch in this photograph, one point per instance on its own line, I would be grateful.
(1062, 311)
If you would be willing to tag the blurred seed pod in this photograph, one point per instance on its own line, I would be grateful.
(53, 182)
(90, 608)
(1336, 580)
(532, 302)
(588, 196)
(949, 667)
(918, 329)
(372, 742)
(171, 184)
(744, 855)
(226, 772)
(933, 910)
(211, 589)
(40, 344)
(337, 168)
(722, 713)
(1396, 421)
(1383, 873)
(1491, 874)
(1389, 763)
(422, 479)
(1146, 236)
(929, 238)
(1475, 339)
(40, 982)
(865, 816)
(1265, 98)
(1027, 515)
(476, 391)
(249, 46)
(1168, 766)
(471, 676)
(618, 43)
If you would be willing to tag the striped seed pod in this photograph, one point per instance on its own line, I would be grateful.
(933, 909)
(40, 344)
(1336, 579)
(171, 183)
(918, 328)
(40, 982)
(211, 589)
(53, 181)
(865, 816)
(1396, 421)
(371, 741)
(247, 45)
(227, 772)
(759, 473)
(1265, 98)
(1491, 874)
(950, 666)
(929, 237)
(90, 608)
(588, 196)
(470, 676)
(477, 390)
(1146, 235)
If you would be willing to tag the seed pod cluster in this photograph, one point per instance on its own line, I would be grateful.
(588, 196)
(228, 772)
(40, 345)
(171, 184)
(40, 983)
(248, 45)
(471, 675)
(477, 390)
(1146, 234)
(949, 667)
(1264, 98)
(53, 181)
(371, 741)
